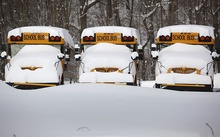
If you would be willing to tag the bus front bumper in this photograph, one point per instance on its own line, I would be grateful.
(183, 80)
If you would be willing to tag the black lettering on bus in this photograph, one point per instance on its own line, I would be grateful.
(30, 37)
(40, 37)
(106, 38)
(98, 38)
(179, 37)
(190, 37)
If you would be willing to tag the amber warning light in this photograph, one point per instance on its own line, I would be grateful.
(54, 38)
(165, 38)
(16, 38)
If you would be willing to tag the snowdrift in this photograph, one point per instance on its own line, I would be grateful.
(107, 110)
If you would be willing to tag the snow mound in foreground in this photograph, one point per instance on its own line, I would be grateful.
(107, 110)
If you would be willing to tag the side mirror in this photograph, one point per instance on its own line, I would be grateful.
(134, 56)
(215, 56)
(3, 55)
(77, 49)
(154, 51)
(67, 57)
(140, 52)
(8, 58)
(153, 47)
(67, 54)
(60, 56)
(77, 57)
(154, 54)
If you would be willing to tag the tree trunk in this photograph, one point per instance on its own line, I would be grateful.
(173, 16)
(115, 6)
(109, 11)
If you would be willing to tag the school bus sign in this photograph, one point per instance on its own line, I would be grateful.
(187, 38)
(115, 38)
(35, 38)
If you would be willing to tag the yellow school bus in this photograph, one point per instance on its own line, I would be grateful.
(37, 56)
(109, 55)
(184, 58)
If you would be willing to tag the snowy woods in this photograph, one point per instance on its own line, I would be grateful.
(147, 16)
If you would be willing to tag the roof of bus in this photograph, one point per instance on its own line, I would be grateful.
(127, 31)
(201, 29)
(55, 31)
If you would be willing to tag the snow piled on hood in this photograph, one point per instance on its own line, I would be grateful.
(42, 56)
(106, 55)
(35, 55)
(184, 55)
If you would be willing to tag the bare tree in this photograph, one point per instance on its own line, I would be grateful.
(116, 16)
(85, 5)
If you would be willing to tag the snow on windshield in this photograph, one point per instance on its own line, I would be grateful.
(182, 55)
(106, 55)
(44, 52)
(43, 57)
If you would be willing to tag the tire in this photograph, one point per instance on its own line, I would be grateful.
(62, 80)
(209, 88)
(157, 85)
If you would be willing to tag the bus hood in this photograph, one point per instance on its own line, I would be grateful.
(35, 64)
(184, 55)
(106, 55)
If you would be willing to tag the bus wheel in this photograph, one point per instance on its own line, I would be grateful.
(130, 84)
(157, 85)
(62, 80)
(209, 88)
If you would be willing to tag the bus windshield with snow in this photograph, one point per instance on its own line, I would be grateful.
(109, 55)
(184, 57)
(37, 56)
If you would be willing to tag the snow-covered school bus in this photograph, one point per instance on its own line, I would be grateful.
(184, 57)
(109, 55)
(37, 56)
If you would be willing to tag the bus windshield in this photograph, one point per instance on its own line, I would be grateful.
(15, 48)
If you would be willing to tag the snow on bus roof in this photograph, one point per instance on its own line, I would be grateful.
(54, 31)
(201, 29)
(127, 31)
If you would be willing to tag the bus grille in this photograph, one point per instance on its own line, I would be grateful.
(106, 70)
(184, 70)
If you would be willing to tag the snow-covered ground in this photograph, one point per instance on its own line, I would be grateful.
(107, 110)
